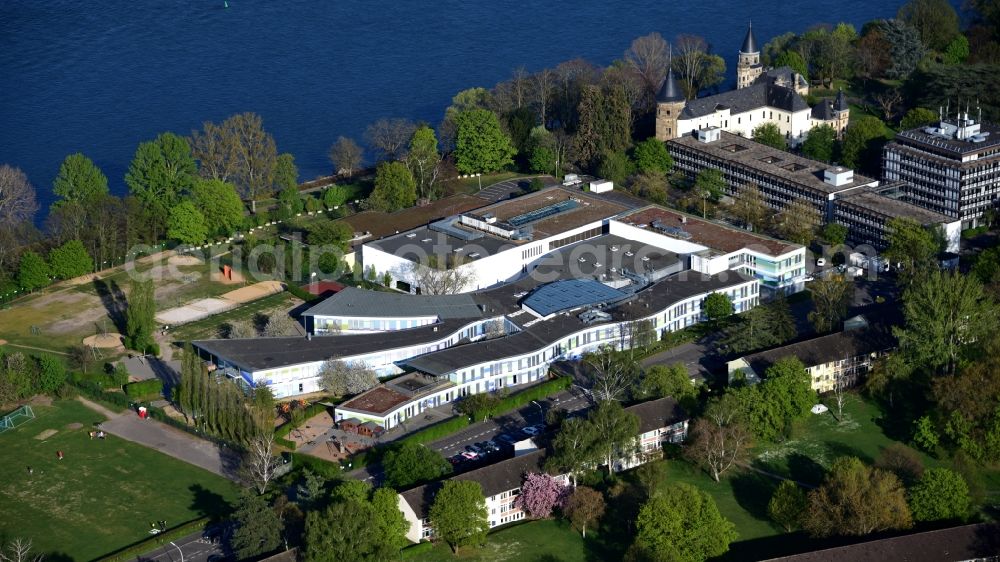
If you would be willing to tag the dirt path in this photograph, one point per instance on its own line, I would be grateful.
(168, 440)
(36, 348)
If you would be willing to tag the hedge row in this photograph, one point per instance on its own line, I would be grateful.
(537, 392)
(300, 293)
(326, 469)
(95, 391)
(437, 431)
(143, 389)
(156, 541)
(290, 445)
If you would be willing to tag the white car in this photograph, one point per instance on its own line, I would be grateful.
(820, 262)
(531, 430)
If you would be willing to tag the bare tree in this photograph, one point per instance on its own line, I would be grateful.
(238, 151)
(613, 373)
(437, 277)
(346, 156)
(840, 384)
(495, 329)
(390, 136)
(259, 465)
(519, 87)
(342, 378)
(888, 100)
(717, 448)
(691, 51)
(543, 84)
(17, 196)
(18, 550)
(748, 206)
(632, 85)
(649, 57)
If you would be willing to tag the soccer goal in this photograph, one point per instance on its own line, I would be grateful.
(17, 417)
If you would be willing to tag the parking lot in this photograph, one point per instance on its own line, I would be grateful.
(511, 188)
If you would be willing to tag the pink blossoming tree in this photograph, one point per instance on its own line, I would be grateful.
(540, 493)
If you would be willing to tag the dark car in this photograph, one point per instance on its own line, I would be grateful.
(457, 459)
(508, 438)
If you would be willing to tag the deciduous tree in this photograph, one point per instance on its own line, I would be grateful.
(574, 448)
(70, 260)
(187, 224)
(749, 206)
(540, 494)
(935, 20)
(770, 135)
(389, 137)
(820, 143)
(616, 432)
(458, 514)
(286, 173)
(661, 381)
(761, 327)
(651, 155)
(140, 316)
(344, 531)
(346, 156)
(79, 180)
(33, 272)
(709, 184)
(341, 378)
(863, 141)
(939, 494)
(798, 221)
(855, 499)
(918, 117)
(616, 166)
(787, 505)
(239, 151)
(219, 203)
(718, 443)
(648, 57)
(259, 465)
(682, 523)
(410, 463)
(481, 146)
(17, 196)
(613, 374)
(161, 170)
(395, 188)
(423, 159)
(717, 307)
(584, 508)
(831, 297)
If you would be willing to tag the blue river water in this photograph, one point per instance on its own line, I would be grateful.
(100, 77)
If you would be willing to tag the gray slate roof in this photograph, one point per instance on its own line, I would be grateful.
(749, 42)
(824, 349)
(757, 95)
(353, 301)
(656, 414)
(670, 91)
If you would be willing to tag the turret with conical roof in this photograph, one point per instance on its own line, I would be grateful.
(670, 102)
(670, 91)
(840, 104)
(749, 42)
(748, 67)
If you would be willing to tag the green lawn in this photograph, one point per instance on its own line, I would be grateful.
(103, 494)
(548, 540)
(820, 439)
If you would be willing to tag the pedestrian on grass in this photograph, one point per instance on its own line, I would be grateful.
(59, 455)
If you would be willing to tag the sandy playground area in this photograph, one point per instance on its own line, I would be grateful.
(203, 308)
(104, 341)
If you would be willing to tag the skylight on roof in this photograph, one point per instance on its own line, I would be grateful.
(794, 167)
(734, 148)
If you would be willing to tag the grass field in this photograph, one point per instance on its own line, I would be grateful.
(210, 327)
(103, 494)
(549, 541)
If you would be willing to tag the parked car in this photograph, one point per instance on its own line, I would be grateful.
(474, 449)
(820, 262)
(508, 438)
(457, 459)
(467, 455)
(531, 430)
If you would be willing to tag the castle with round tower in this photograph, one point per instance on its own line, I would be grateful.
(762, 95)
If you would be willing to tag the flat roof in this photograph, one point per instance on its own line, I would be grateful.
(722, 237)
(589, 209)
(381, 224)
(421, 243)
(883, 205)
(602, 254)
(950, 145)
(353, 301)
(377, 401)
(767, 160)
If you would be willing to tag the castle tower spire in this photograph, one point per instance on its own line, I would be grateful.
(748, 66)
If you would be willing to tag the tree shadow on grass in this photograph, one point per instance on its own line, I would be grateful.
(838, 449)
(114, 301)
(208, 503)
(753, 491)
(801, 468)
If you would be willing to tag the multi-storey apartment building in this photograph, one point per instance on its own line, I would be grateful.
(840, 358)
(660, 421)
(952, 168)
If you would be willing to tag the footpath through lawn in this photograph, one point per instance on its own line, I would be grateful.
(103, 494)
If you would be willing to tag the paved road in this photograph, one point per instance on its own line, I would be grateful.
(573, 400)
(195, 548)
(511, 188)
(168, 440)
(696, 357)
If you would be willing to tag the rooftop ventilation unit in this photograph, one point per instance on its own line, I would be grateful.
(544, 212)
(411, 235)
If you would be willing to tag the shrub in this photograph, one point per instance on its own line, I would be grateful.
(320, 467)
(437, 431)
(300, 293)
(416, 550)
